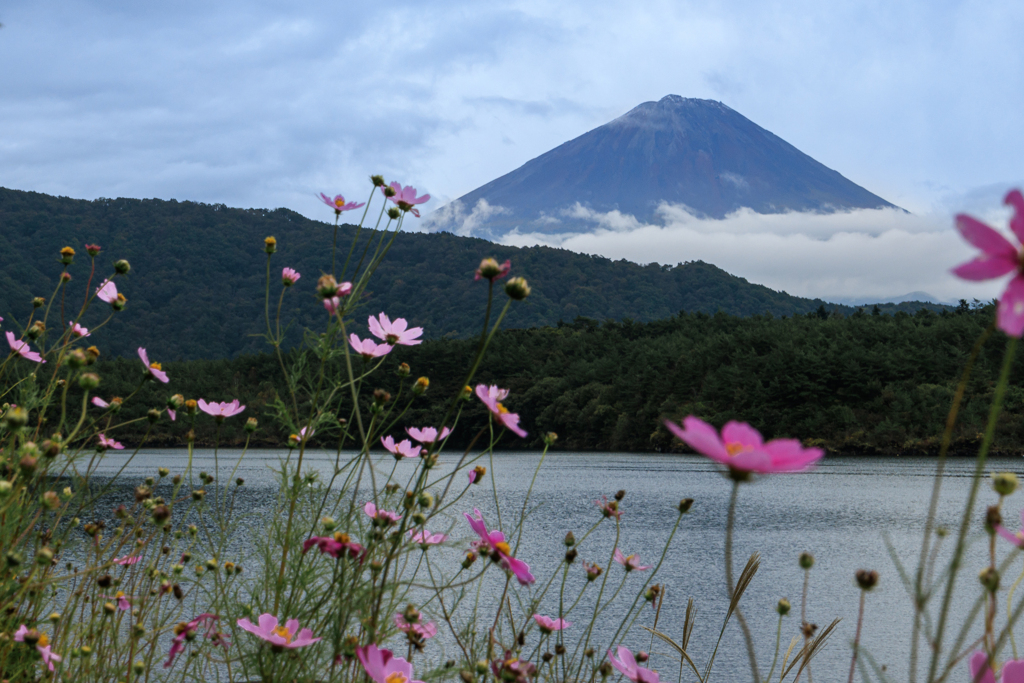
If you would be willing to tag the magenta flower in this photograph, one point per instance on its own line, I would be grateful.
(402, 449)
(338, 204)
(428, 435)
(221, 410)
(394, 332)
(22, 349)
(1013, 671)
(495, 541)
(287, 636)
(187, 631)
(1015, 538)
(627, 665)
(384, 516)
(289, 276)
(368, 349)
(107, 292)
(335, 546)
(77, 330)
(405, 197)
(384, 667)
(741, 447)
(492, 397)
(153, 370)
(425, 538)
(106, 443)
(630, 562)
(42, 646)
(998, 257)
(122, 600)
(128, 560)
(548, 625)
(424, 631)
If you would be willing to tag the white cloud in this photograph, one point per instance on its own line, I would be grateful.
(453, 217)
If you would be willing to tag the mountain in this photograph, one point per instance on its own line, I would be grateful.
(196, 288)
(698, 153)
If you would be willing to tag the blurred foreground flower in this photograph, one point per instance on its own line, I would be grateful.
(187, 630)
(383, 667)
(106, 443)
(489, 269)
(548, 625)
(424, 537)
(107, 292)
(423, 630)
(338, 203)
(428, 435)
(495, 540)
(42, 643)
(742, 448)
(623, 661)
(492, 397)
(77, 330)
(22, 349)
(405, 197)
(1013, 671)
(287, 636)
(385, 516)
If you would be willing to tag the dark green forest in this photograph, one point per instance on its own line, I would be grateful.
(196, 289)
(862, 383)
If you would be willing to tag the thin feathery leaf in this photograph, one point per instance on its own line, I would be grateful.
(679, 650)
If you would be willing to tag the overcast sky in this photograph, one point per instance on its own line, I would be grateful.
(264, 104)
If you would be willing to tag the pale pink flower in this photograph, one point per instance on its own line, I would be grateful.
(741, 447)
(188, 632)
(548, 625)
(122, 600)
(289, 276)
(367, 348)
(492, 397)
(383, 667)
(627, 665)
(221, 410)
(99, 402)
(402, 449)
(1013, 670)
(423, 630)
(338, 203)
(287, 636)
(106, 443)
(495, 541)
(1015, 538)
(335, 546)
(107, 291)
(630, 562)
(405, 197)
(22, 349)
(77, 330)
(424, 537)
(385, 516)
(153, 370)
(42, 646)
(128, 560)
(173, 414)
(394, 332)
(609, 508)
(998, 257)
(428, 435)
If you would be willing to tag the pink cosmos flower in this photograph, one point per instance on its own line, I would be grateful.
(1013, 671)
(222, 409)
(511, 668)
(424, 537)
(492, 397)
(383, 667)
(627, 665)
(385, 516)
(741, 447)
(495, 541)
(405, 198)
(287, 636)
(630, 562)
(42, 646)
(335, 546)
(402, 449)
(187, 631)
(502, 270)
(394, 332)
(609, 508)
(77, 330)
(173, 414)
(368, 349)
(548, 625)
(122, 600)
(998, 257)
(22, 349)
(333, 303)
(423, 630)
(338, 204)
(128, 560)
(289, 276)
(153, 370)
(106, 443)
(427, 435)
(107, 292)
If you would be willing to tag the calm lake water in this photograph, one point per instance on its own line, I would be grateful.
(839, 513)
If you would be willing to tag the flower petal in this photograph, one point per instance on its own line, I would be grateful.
(1010, 314)
(983, 237)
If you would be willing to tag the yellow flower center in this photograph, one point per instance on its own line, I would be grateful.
(284, 633)
(736, 448)
(339, 202)
(396, 677)
(504, 548)
(156, 366)
(119, 594)
(44, 640)
(342, 538)
(502, 409)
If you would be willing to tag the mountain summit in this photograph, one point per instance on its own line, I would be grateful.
(698, 153)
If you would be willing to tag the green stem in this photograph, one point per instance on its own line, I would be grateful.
(730, 523)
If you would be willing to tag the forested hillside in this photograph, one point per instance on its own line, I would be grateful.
(198, 273)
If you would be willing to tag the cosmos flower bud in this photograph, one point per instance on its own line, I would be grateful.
(684, 505)
(421, 386)
(593, 571)
(550, 438)
(92, 353)
(270, 245)
(239, 481)
(570, 540)
(327, 287)
(393, 213)
(993, 519)
(163, 472)
(153, 415)
(65, 277)
(806, 560)
(642, 657)
(109, 608)
(35, 330)
(121, 267)
(77, 359)
(783, 607)
(251, 424)
(652, 593)
(198, 495)
(570, 555)
(467, 676)
(89, 381)
(559, 649)
(14, 558)
(377, 180)
(403, 370)
(67, 256)
(426, 500)
(44, 557)
(92, 249)
(620, 494)
(517, 289)
(466, 392)
(479, 471)
(27, 465)
(989, 578)
(380, 397)
(866, 580)
(38, 302)
(1004, 483)
(119, 303)
(191, 407)
(161, 513)
(468, 561)
(389, 191)
(176, 402)
(5, 488)
(51, 501)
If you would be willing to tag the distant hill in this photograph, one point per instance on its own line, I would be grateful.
(197, 281)
(695, 152)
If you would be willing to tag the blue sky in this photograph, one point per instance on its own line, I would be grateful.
(264, 104)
